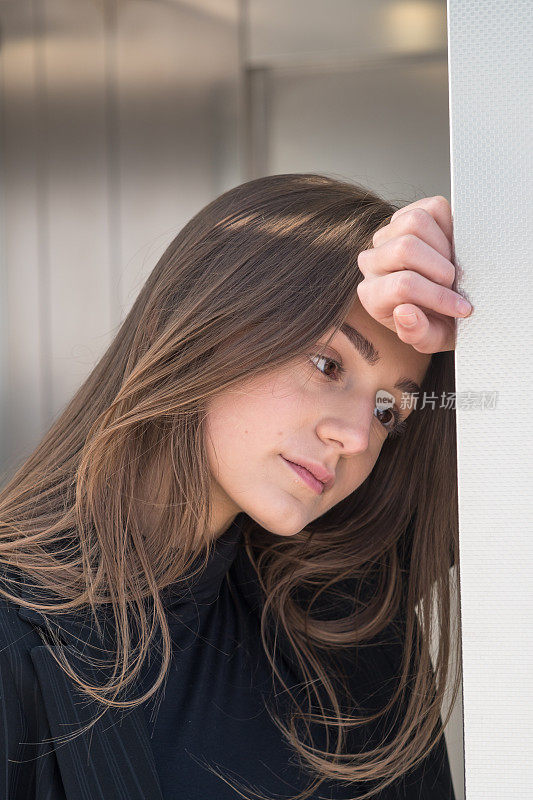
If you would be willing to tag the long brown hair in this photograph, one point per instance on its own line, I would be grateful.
(250, 281)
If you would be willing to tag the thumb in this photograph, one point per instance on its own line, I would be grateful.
(427, 333)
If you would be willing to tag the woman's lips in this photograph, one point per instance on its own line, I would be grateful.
(305, 475)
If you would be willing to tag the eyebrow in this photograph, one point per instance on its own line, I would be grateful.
(372, 356)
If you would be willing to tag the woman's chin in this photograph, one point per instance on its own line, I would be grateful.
(285, 521)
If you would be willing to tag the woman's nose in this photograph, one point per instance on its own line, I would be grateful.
(352, 429)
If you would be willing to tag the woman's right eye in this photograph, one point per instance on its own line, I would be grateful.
(327, 360)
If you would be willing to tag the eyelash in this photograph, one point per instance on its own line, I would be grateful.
(400, 425)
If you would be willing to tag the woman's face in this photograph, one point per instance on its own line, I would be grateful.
(298, 412)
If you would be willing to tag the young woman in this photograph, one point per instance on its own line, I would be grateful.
(186, 612)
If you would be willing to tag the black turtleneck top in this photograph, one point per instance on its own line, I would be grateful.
(211, 708)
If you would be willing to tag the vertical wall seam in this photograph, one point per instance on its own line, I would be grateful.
(42, 154)
(112, 157)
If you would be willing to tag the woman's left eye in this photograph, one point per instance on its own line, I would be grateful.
(396, 426)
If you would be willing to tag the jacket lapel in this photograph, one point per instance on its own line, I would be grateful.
(114, 759)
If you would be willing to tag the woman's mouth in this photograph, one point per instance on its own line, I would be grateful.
(310, 480)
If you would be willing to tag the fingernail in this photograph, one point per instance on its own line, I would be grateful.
(463, 306)
(408, 320)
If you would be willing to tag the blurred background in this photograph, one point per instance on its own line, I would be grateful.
(120, 119)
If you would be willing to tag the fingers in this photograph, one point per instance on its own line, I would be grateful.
(406, 252)
(438, 207)
(409, 269)
(420, 223)
(381, 295)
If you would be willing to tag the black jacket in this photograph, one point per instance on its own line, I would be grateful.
(115, 759)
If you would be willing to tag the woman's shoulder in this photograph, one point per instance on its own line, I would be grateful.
(22, 629)
(17, 633)
(18, 636)
(16, 618)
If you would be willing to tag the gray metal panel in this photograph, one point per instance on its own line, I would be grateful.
(73, 125)
(386, 127)
(491, 105)
(315, 32)
(120, 121)
(23, 405)
(178, 123)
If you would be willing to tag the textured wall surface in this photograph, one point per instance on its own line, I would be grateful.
(491, 75)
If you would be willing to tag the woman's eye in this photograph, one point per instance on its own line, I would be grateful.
(394, 426)
(393, 423)
(329, 361)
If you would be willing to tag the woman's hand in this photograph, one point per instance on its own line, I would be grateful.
(409, 271)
